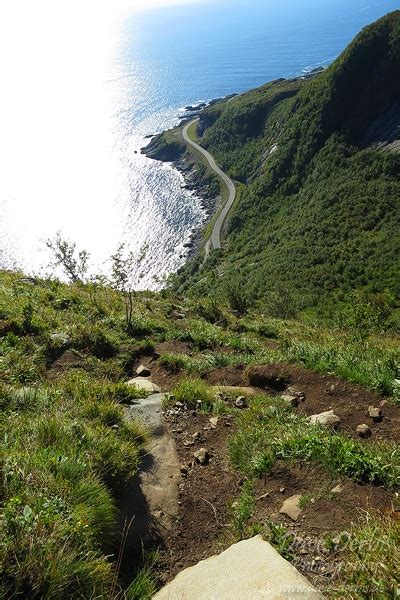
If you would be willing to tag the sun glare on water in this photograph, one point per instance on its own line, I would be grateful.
(58, 164)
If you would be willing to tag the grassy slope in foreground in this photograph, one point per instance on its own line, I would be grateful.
(320, 212)
(68, 449)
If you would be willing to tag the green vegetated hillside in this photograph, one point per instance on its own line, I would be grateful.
(320, 210)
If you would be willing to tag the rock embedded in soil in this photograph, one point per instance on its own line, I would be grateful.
(202, 456)
(250, 570)
(291, 507)
(177, 316)
(294, 393)
(241, 402)
(214, 422)
(61, 338)
(327, 419)
(294, 401)
(364, 431)
(143, 371)
(144, 384)
(375, 414)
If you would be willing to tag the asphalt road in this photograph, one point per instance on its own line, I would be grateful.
(214, 241)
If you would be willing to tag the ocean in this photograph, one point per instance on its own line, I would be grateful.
(76, 112)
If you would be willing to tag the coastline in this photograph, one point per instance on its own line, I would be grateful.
(204, 186)
(170, 147)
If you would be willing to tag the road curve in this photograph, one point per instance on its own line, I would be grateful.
(214, 241)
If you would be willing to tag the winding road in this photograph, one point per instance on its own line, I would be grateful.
(214, 242)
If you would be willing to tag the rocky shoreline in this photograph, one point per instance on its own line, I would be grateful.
(196, 178)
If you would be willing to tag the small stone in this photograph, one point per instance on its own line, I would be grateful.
(383, 403)
(184, 471)
(115, 426)
(188, 443)
(292, 391)
(332, 388)
(61, 339)
(202, 456)
(196, 435)
(176, 315)
(214, 422)
(375, 414)
(144, 384)
(241, 402)
(143, 371)
(327, 419)
(291, 507)
(282, 490)
(364, 431)
(291, 399)
(179, 405)
(338, 489)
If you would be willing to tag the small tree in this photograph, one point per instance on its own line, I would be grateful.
(237, 296)
(122, 275)
(74, 264)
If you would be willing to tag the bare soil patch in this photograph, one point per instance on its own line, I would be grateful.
(206, 492)
(69, 360)
(323, 392)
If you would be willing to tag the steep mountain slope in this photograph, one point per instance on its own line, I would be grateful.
(320, 210)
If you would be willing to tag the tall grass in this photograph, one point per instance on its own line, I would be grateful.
(373, 367)
(369, 564)
(193, 393)
(67, 448)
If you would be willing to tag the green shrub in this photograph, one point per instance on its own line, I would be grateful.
(96, 342)
(238, 297)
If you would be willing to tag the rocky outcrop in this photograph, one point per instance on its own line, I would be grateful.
(160, 149)
(249, 570)
(144, 384)
(327, 419)
(151, 499)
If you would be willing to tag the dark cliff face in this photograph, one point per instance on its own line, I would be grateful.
(321, 205)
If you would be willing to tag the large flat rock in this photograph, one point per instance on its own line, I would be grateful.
(152, 500)
(249, 570)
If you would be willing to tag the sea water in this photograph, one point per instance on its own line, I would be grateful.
(77, 112)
